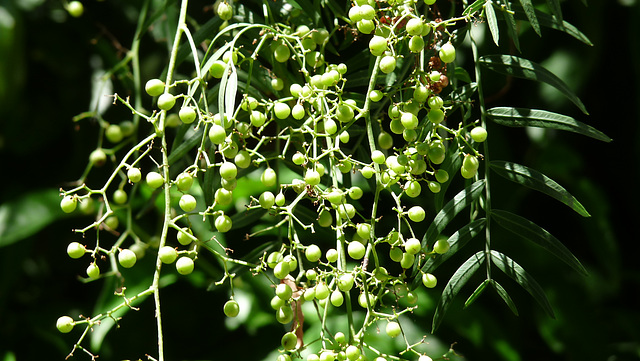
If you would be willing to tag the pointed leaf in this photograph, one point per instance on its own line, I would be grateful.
(554, 6)
(492, 20)
(473, 8)
(518, 274)
(530, 12)
(522, 117)
(538, 235)
(552, 22)
(527, 69)
(455, 284)
(28, 214)
(446, 214)
(535, 180)
(505, 296)
(512, 28)
(476, 293)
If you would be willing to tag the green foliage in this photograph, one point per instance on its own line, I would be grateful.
(257, 147)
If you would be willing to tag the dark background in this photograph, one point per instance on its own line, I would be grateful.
(46, 80)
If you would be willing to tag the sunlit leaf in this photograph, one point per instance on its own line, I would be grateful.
(518, 274)
(522, 117)
(533, 179)
(512, 27)
(492, 21)
(478, 291)
(455, 284)
(527, 69)
(530, 12)
(538, 235)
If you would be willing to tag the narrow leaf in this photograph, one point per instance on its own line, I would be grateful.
(533, 179)
(527, 69)
(453, 207)
(455, 284)
(552, 22)
(530, 12)
(512, 28)
(554, 6)
(473, 8)
(518, 274)
(28, 214)
(492, 20)
(230, 93)
(505, 296)
(481, 287)
(522, 117)
(538, 235)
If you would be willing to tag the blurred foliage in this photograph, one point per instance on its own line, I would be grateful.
(47, 62)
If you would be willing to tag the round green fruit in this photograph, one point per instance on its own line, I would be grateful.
(184, 265)
(167, 254)
(388, 64)
(393, 329)
(134, 175)
(65, 324)
(478, 134)
(416, 214)
(429, 280)
(225, 11)
(127, 258)
(69, 203)
(166, 101)
(356, 250)
(228, 171)
(93, 271)
(447, 53)
(313, 253)
(98, 157)
(441, 246)
(154, 180)
(187, 202)
(183, 236)
(223, 223)
(289, 341)
(76, 250)
(187, 114)
(231, 308)
(154, 87)
(412, 246)
(120, 196)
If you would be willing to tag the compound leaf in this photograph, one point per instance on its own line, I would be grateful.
(533, 179)
(538, 235)
(518, 274)
(523, 117)
(455, 284)
(527, 69)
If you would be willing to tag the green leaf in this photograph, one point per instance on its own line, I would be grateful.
(533, 179)
(492, 21)
(505, 296)
(28, 214)
(453, 207)
(473, 8)
(512, 28)
(538, 235)
(518, 274)
(523, 117)
(552, 22)
(455, 284)
(554, 6)
(457, 240)
(530, 12)
(527, 69)
(481, 287)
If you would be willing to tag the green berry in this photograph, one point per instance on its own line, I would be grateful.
(120, 196)
(268, 177)
(393, 329)
(313, 253)
(166, 101)
(69, 203)
(98, 157)
(154, 87)
(289, 341)
(228, 170)
(388, 64)
(154, 180)
(441, 246)
(183, 237)
(478, 134)
(127, 258)
(414, 26)
(65, 324)
(412, 246)
(217, 69)
(134, 175)
(267, 200)
(223, 223)
(378, 45)
(217, 134)
(76, 250)
(113, 133)
(429, 280)
(231, 308)
(167, 254)
(442, 175)
(356, 250)
(184, 265)
(93, 271)
(187, 202)
(447, 53)
(416, 214)
(225, 11)
(187, 114)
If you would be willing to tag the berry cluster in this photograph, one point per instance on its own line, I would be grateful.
(345, 151)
